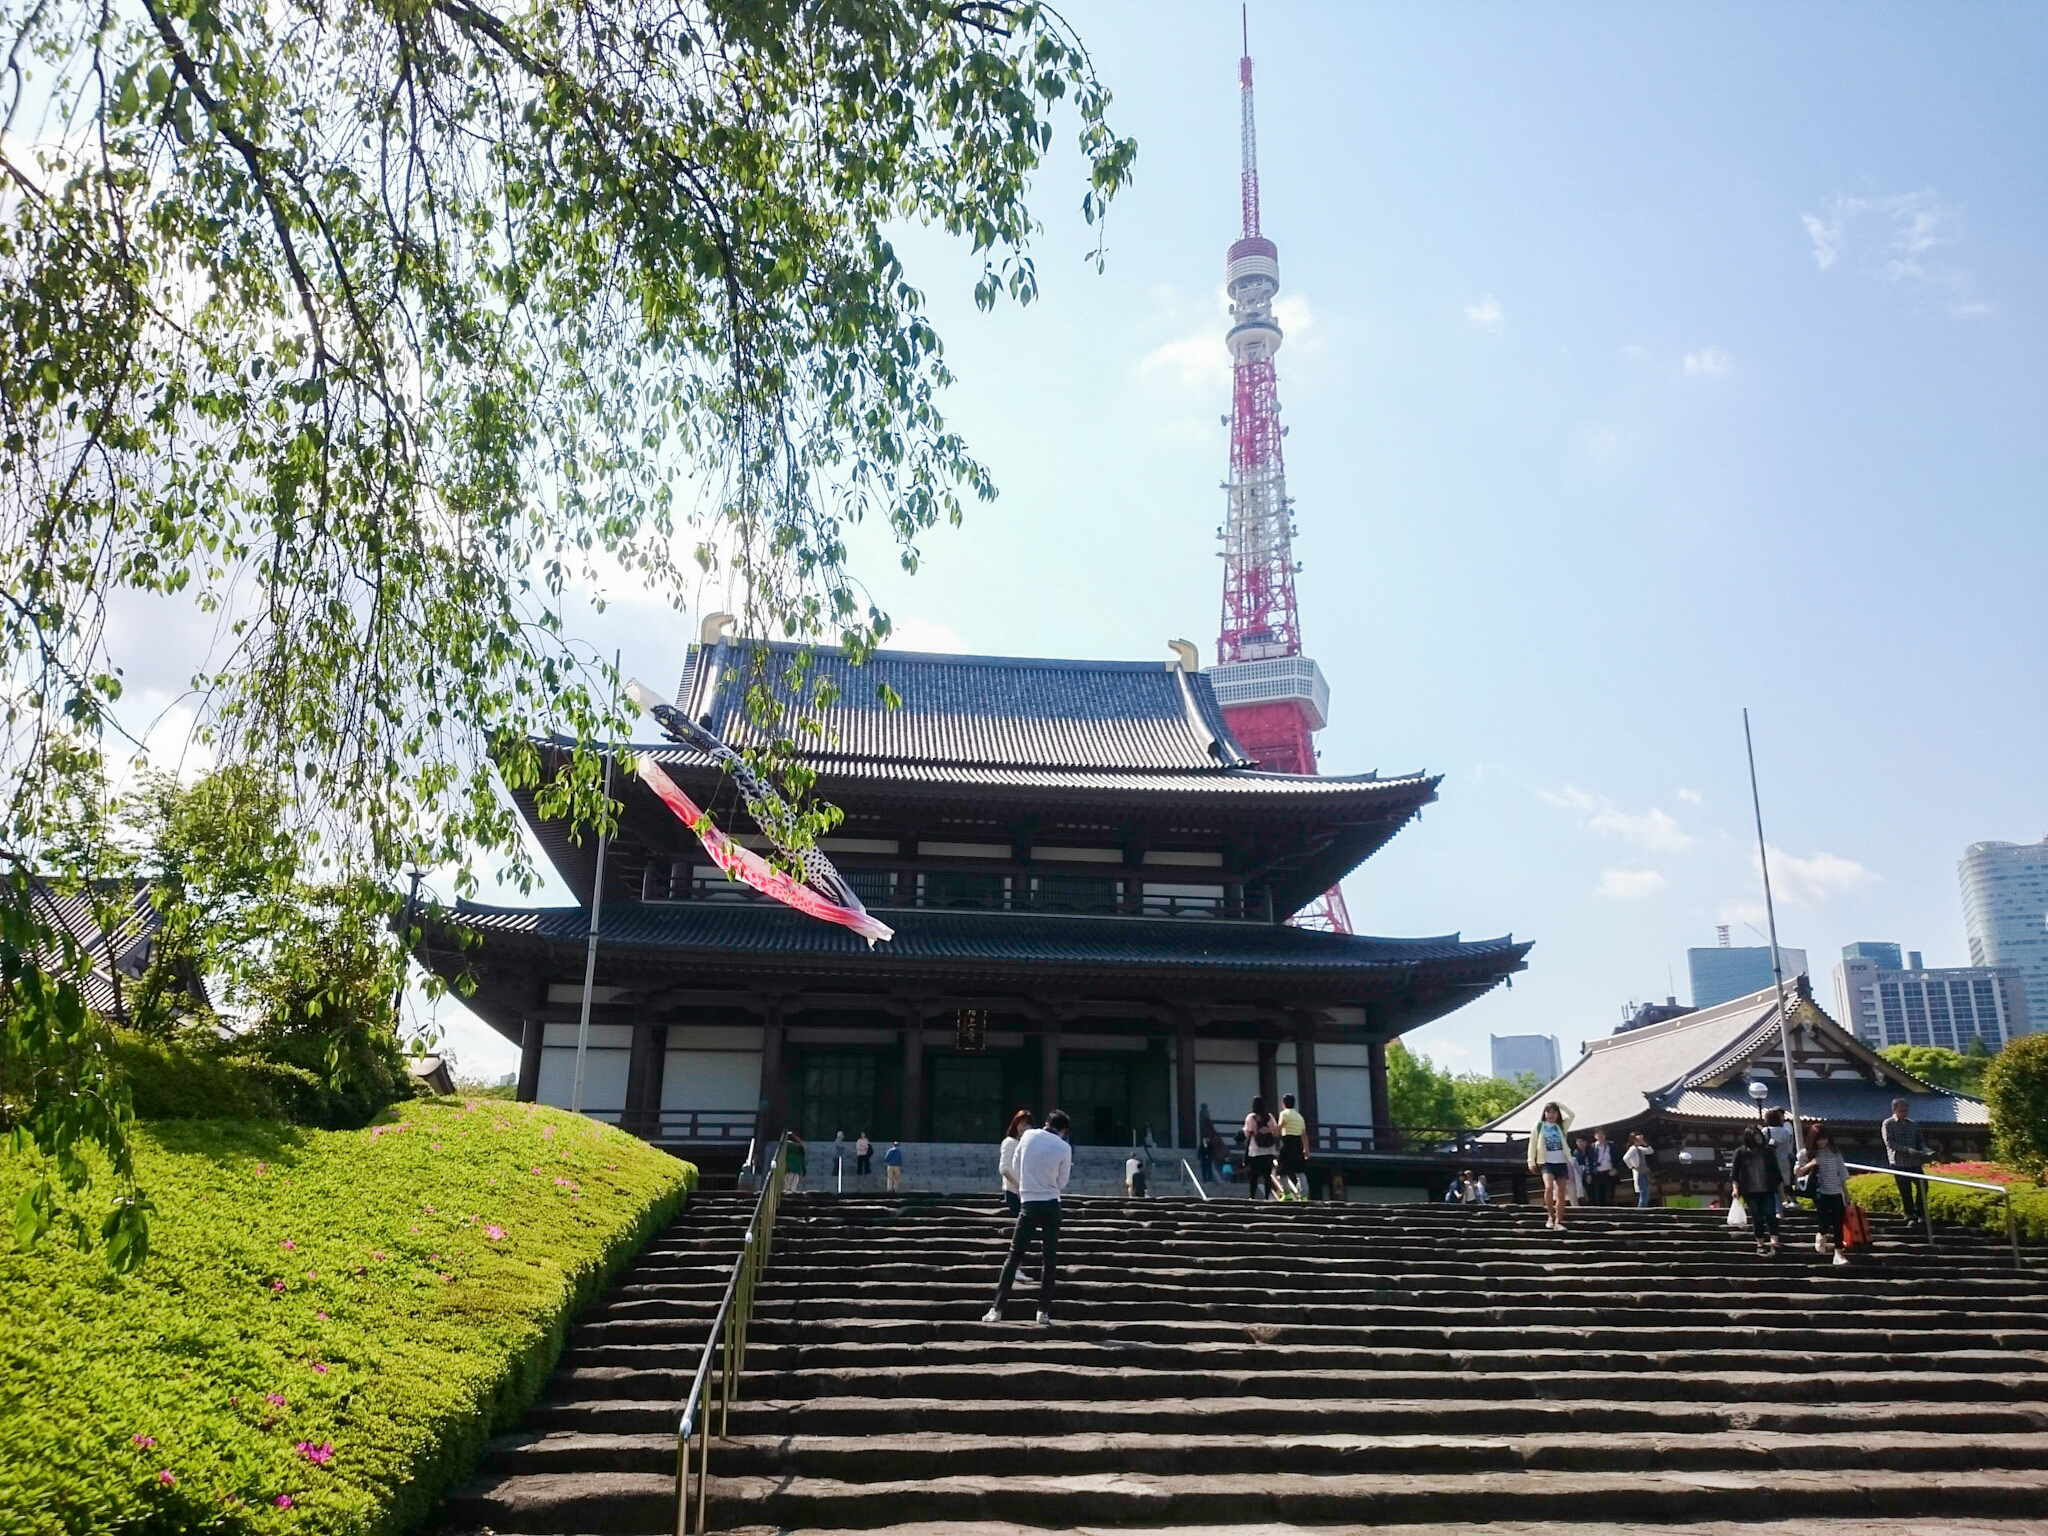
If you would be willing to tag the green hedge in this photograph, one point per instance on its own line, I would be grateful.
(1955, 1207)
(196, 1079)
(396, 1293)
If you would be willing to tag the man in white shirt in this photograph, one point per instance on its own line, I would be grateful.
(1044, 1161)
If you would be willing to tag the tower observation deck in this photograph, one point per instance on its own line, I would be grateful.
(1274, 697)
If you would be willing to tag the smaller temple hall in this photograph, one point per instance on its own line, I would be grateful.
(1090, 883)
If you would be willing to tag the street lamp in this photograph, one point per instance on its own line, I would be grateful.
(1759, 1091)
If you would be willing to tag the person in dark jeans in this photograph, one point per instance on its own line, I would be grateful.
(1906, 1150)
(1601, 1178)
(1756, 1180)
(1830, 1176)
(1044, 1161)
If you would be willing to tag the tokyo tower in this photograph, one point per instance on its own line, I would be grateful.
(1274, 698)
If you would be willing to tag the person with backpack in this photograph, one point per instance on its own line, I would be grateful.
(1261, 1148)
(1756, 1181)
(1830, 1189)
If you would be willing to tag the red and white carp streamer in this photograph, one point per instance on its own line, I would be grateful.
(833, 900)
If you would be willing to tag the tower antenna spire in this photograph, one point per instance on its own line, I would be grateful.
(1273, 697)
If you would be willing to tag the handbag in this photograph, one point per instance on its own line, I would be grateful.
(1855, 1226)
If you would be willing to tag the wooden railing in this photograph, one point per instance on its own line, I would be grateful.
(701, 1125)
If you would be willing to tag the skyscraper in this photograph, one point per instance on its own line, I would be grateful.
(1719, 974)
(1887, 1003)
(2005, 913)
(1536, 1055)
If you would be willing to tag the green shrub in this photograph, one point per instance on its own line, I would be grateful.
(396, 1293)
(2016, 1088)
(1955, 1207)
(192, 1077)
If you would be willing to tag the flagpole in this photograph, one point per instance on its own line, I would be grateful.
(1771, 918)
(596, 910)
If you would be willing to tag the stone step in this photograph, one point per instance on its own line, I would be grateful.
(1858, 1382)
(932, 1454)
(1043, 1348)
(825, 1415)
(621, 1502)
(1855, 1526)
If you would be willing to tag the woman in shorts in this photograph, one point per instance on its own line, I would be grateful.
(1550, 1154)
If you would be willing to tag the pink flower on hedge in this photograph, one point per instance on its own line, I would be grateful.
(495, 1234)
(277, 1285)
(322, 1316)
(536, 1173)
(168, 1478)
(289, 1246)
(317, 1366)
(547, 1130)
(377, 1254)
(312, 1274)
(145, 1441)
(275, 1399)
(319, 1455)
(261, 1169)
(283, 1501)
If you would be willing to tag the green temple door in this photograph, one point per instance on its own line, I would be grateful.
(838, 1095)
(1096, 1094)
(967, 1098)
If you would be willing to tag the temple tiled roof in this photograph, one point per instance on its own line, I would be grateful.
(980, 711)
(1697, 1066)
(766, 929)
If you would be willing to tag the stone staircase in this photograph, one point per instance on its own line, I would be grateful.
(969, 1168)
(1258, 1369)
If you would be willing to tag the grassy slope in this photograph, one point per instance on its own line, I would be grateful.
(395, 1293)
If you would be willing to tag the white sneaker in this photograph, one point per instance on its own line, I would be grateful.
(992, 1315)
(1820, 1242)
(1841, 1258)
(1045, 1319)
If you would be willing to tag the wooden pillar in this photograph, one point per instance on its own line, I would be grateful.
(773, 1108)
(1269, 1075)
(913, 1074)
(531, 1033)
(643, 1079)
(1305, 1077)
(1049, 1069)
(1184, 1086)
(1383, 1138)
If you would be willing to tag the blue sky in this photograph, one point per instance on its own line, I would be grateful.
(1649, 362)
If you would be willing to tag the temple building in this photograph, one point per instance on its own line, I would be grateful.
(1690, 1084)
(1089, 883)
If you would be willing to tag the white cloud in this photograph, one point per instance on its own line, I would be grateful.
(1601, 445)
(1741, 910)
(1692, 797)
(1198, 363)
(1487, 316)
(1713, 362)
(1653, 831)
(1629, 884)
(1899, 239)
(1811, 881)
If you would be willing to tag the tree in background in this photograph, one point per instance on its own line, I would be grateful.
(2016, 1088)
(372, 331)
(1423, 1095)
(1962, 1071)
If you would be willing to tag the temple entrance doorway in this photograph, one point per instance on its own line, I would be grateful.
(1096, 1094)
(838, 1095)
(967, 1098)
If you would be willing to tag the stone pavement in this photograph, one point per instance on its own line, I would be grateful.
(1258, 1370)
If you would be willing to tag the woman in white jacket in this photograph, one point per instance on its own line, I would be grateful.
(1006, 1158)
(1550, 1154)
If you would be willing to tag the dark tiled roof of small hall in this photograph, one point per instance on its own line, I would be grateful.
(984, 711)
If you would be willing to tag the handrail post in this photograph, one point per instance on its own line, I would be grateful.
(2012, 1230)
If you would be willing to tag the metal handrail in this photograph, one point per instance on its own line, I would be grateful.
(1193, 1180)
(725, 1349)
(2003, 1191)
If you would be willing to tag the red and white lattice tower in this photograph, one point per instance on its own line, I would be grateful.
(1273, 697)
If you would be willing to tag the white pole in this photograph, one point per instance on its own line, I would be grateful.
(1777, 964)
(590, 957)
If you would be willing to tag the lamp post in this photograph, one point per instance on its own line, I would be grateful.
(1759, 1091)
